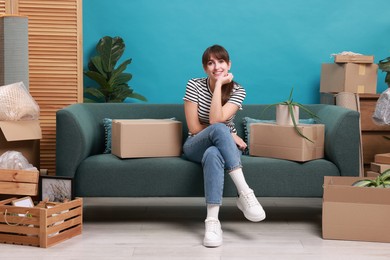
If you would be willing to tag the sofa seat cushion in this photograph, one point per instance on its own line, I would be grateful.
(284, 178)
(110, 176)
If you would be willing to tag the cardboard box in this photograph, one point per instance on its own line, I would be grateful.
(379, 167)
(372, 174)
(383, 158)
(19, 182)
(40, 226)
(353, 59)
(22, 136)
(349, 77)
(135, 138)
(283, 142)
(355, 213)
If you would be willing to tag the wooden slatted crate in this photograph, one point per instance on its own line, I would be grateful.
(40, 226)
(19, 182)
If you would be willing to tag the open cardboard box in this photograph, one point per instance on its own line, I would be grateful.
(355, 213)
(22, 136)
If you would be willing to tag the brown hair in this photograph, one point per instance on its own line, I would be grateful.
(220, 53)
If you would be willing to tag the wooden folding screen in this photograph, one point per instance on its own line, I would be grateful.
(55, 61)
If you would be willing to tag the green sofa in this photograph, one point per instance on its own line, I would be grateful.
(80, 142)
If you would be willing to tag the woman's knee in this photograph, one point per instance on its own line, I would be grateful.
(212, 155)
(219, 128)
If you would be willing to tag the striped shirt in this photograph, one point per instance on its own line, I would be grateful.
(198, 91)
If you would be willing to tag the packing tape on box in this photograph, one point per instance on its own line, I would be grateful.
(360, 89)
(362, 70)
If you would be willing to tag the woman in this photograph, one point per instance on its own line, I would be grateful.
(210, 105)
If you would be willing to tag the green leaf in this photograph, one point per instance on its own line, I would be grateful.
(110, 50)
(94, 92)
(311, 114)
(137, 96)
(384, 64)
(95, 64)
(120, 79)
(120, 69)
(100, 79)
(299, 132)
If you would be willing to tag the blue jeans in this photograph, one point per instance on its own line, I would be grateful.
(216, 150)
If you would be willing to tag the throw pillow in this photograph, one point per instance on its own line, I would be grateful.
(248, 121)
(107, 123)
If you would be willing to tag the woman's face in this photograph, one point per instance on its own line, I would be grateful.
(216, 68)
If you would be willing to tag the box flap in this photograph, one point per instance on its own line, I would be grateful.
(354, 58)
(21, 130)
(340, 189)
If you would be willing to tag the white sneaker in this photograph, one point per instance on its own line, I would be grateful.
(250, 206)
(213, 234)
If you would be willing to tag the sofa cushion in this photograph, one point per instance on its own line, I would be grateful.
(109, 176)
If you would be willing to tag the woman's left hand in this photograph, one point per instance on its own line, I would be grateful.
(239, 142)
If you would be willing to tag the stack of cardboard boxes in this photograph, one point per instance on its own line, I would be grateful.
(380, 164)
(349, 73)
(351, 82)
(354, 213)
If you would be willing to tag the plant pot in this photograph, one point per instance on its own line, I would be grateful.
(283, 116)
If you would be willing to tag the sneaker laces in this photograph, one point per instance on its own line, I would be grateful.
(212, 225)
(250, 199)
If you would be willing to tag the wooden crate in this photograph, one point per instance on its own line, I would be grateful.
(39, 226)
(19, 182)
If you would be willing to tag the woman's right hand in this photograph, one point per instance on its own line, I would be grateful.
(239, 142)
(225, 79)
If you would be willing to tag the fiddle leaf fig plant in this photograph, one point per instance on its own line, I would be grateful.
(384, 65)
(290, 103)
(112, 81)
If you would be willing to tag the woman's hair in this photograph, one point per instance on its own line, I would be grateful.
(220, 53)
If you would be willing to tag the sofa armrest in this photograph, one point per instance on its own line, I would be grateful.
(342, 138)
(77, 137)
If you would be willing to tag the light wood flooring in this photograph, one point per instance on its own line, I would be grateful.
(173, 228)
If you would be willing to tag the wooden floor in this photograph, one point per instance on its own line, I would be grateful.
(173, 228)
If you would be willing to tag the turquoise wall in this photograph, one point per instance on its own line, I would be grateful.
(274, 44)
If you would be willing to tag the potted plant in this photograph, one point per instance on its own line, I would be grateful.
(287, 112)
(112, 81)
(384, 65)
(382, 181)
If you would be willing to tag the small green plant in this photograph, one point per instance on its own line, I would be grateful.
(113, 82)
(290, 103)
(384, 65)
(382, 181)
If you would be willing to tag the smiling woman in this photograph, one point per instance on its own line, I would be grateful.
(210, 105)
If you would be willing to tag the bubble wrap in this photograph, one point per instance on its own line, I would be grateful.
(15, 160)
(16, 103)
(381, 115)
